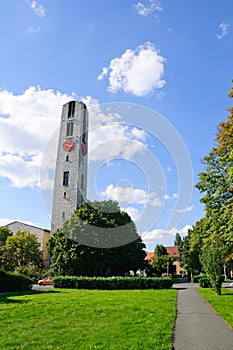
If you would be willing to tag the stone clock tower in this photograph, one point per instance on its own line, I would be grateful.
(70, 183)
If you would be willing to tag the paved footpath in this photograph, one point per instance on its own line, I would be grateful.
(198, 327)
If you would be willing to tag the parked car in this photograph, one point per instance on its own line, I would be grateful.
(46, 281)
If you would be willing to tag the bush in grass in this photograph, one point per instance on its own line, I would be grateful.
(196, 278)
(112, 282)
(33, 272)
(12, 282)
(204, 282)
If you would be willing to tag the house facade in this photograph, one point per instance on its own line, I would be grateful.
(174, 253)
(41, 234)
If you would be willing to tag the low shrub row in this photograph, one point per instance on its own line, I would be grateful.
(112, 282)
(12, 282)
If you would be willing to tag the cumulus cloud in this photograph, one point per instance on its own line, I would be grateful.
(138, 71)
(27, 121)
(185, 210)
(132, 195)
(148, 7)
(162, 236)
(37, 8)
(223, 27)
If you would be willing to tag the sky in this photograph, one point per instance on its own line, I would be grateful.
(154, 75)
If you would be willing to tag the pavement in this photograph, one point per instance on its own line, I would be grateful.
(197, 326)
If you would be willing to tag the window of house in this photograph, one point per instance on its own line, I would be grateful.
(71, 109)
(70, 129)
(67, 158)
(64, 194)
(63, 215)
(66, 178)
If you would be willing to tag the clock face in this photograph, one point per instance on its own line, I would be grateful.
(68, 145)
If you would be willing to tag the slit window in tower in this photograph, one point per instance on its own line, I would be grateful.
(82, 182)
(71, 109)
(66, 178)
(69, 129)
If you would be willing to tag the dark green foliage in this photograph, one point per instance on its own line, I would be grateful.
(4, 234)
(196, 278)
(204, 282)
(162, 262)
(70, 257)
(112, 283)
(11, 282)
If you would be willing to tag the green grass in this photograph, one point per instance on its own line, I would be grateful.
(222, 304)
(84, 319)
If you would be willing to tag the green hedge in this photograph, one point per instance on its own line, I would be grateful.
(112, 282)
(12, 282)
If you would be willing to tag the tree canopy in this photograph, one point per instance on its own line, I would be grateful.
(21, 249)
(215, 182)
(91, 242)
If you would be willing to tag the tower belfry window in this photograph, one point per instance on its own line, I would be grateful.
(71, 109)
(69, 129)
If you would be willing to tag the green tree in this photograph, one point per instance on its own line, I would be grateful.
(4, 234)
(178, 240)
(22, 249)
(91, 241)
(213, 259)
(162, 262)
(216, 185)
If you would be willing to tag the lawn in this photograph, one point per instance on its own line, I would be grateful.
(222, 304)
(83, 319)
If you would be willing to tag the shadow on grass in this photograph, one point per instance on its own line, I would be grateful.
(6, 298)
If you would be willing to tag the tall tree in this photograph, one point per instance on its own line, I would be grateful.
(4, 234)
(98, 239)
(162, 262)
(216, 185)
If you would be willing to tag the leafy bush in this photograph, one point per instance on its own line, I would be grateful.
(204, 282)
(112, 282)
(176, 280)
(196, 278)
(33, 272)
(12, 282)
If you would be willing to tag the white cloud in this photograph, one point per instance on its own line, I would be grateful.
(138, 71)
(134, 213)
(162, 236)
(37, 8)
(132, 196)
(185, 210)
(33, 29)
(27, 122)
(223, 30)
(147, 8)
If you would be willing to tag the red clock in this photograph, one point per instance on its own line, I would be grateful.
(68, 145)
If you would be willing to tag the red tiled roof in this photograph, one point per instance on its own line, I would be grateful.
(172, 251)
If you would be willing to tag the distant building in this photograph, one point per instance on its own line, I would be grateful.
(41, 234)
(70, 184)
(174, 253)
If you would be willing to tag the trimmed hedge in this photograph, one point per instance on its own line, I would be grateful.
(112, 282)
(12, 282)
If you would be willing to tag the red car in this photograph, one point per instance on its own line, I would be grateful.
(46, 281)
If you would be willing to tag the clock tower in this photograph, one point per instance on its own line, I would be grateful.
(70, 183)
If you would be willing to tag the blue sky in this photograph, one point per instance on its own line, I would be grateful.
(170, 59)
